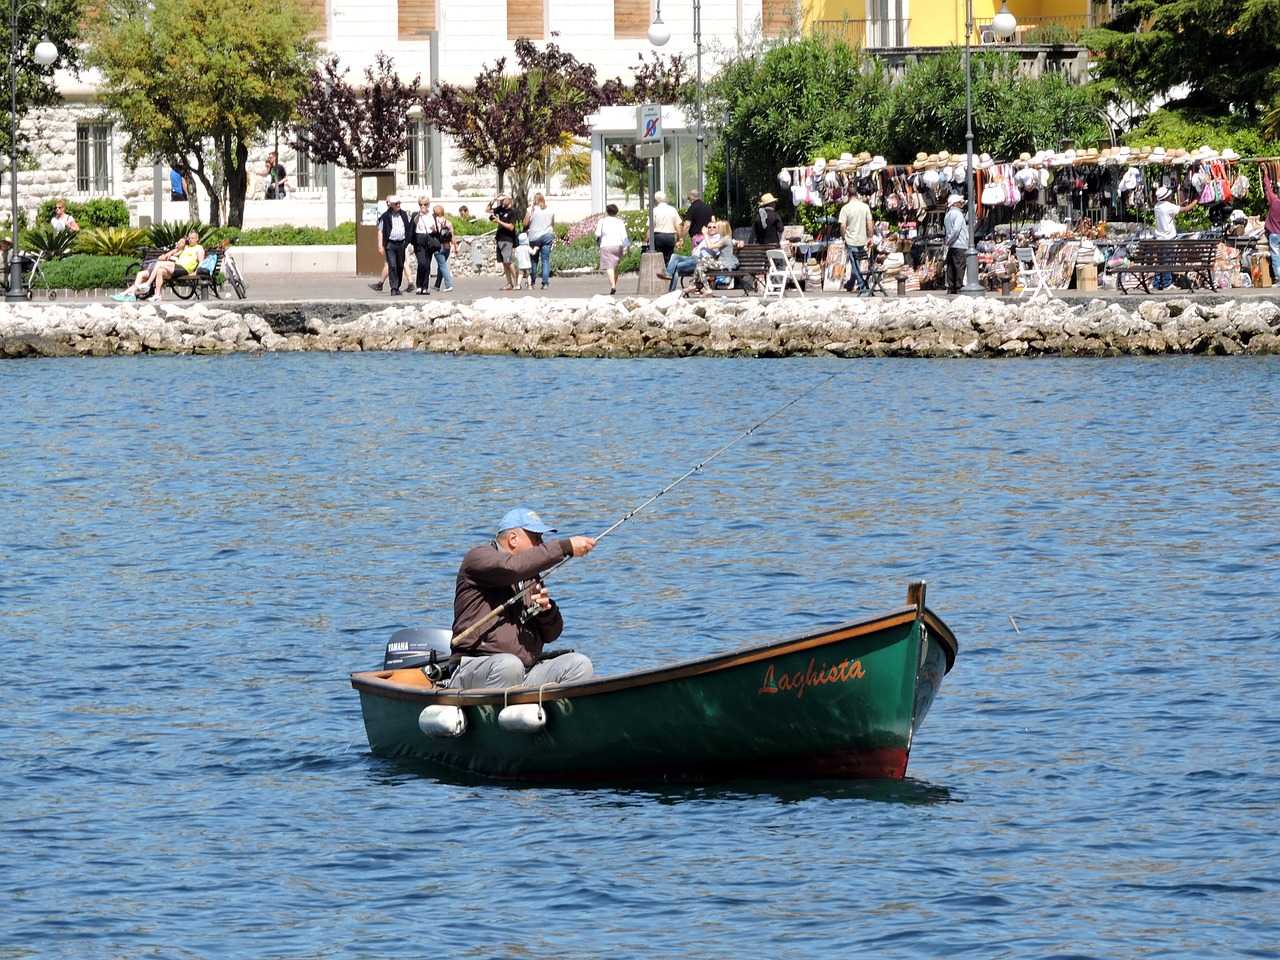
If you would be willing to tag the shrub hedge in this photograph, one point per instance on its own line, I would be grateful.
(84, 271)
(98, 212)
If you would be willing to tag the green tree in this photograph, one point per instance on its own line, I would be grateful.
(1225, 52)
(787, 102)
(196, 90)
(59, 21)
(1012, 112)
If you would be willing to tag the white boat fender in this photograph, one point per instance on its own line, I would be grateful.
(523, 718)
(439, 720)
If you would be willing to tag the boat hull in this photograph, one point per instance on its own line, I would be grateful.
(844, 702)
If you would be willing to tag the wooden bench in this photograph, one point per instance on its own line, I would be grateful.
(1191, 257)
(184, 288)
(753, 265)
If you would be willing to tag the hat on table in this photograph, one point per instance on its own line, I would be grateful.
(524, 519)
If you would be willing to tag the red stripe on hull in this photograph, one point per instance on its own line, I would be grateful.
(883, 763)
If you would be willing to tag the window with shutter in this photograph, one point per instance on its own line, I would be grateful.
(417, 19)
(631, 19)
(526, 18)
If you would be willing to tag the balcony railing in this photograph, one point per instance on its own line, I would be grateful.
(1041, 30)
(866, 33)
(896, 32)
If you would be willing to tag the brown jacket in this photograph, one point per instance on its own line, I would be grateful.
(488, 578)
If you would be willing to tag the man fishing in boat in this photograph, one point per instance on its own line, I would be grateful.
(498, 642)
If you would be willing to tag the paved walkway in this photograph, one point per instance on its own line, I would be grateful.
(305, 287)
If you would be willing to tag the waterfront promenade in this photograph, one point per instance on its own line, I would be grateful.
(345, 288)
(577, 317)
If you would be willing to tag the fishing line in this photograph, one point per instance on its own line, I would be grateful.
(697, 468)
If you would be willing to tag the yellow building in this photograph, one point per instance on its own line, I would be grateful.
(939, 23)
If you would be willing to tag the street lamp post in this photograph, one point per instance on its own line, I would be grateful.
(1003, 24)
(45, 54)
(659, 34)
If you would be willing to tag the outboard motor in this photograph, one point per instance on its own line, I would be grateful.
(425, 647)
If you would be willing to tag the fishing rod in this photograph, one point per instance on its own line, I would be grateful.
(696, 468)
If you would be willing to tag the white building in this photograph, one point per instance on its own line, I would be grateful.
(442, 40)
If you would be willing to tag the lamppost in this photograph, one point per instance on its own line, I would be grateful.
(659, 34)
(1003, 24)
(45, 54)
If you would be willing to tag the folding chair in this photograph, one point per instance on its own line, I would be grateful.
(775, 281)
(874, 274)
(1031, 272)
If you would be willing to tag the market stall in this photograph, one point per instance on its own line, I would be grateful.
(1080, 207)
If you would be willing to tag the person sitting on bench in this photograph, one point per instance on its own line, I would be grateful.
(715, 251)
(178, 262)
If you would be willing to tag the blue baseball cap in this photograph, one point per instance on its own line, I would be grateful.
(525, 519)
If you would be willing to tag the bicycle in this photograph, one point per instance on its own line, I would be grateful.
(231, 271)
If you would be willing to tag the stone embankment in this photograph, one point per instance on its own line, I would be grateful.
(927, 326)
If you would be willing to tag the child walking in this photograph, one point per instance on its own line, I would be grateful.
(524, 263)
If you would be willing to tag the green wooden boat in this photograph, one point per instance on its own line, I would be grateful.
(842, 702)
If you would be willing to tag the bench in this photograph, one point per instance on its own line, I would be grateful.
(1191, 257)
(753, 265)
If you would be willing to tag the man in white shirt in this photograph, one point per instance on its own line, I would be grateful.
(857, 227)
(393, 239)
(955, 243)
(1166, 229)
(666, 226)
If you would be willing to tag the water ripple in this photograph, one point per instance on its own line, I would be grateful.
(198, 549)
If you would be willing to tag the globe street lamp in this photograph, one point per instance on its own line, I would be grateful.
(45, 54)
(1003, 24)
(659, 34)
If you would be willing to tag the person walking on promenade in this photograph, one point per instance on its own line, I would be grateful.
(539, 224)
(767, 224)
(1272, 222)
(857, 228)
(394, 232)
(444, 233)
(955, 242)
(503, 214)
(666, 227)
(611, 236)
(696, 218)
(425, 245)
(1166, 211)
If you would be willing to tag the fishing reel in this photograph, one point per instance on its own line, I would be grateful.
(533, 609)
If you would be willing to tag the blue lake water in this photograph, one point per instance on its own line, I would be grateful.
(197, 551)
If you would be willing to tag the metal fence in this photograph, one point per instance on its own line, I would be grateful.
(866, 33)
(885, 32)
(1040, 30)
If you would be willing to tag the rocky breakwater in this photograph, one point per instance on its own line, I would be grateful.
(927, 326)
